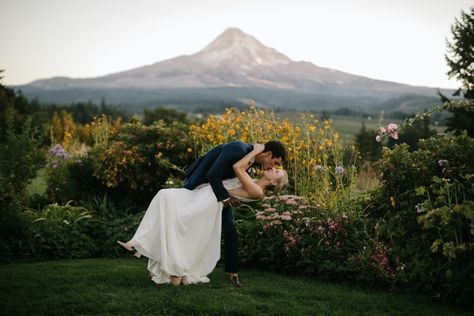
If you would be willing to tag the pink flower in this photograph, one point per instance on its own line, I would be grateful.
(276, 222)
(291, 202)
(392, 129)
(382, 130)
(286, 217)
(270, 210)
(378, 138)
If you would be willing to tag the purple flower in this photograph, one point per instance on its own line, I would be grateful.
(321, 168)
(58, 151)
(339, 169)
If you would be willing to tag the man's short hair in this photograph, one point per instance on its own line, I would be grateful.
(277, 149)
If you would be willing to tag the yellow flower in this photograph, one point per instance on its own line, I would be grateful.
(190, 150)
(392, 201)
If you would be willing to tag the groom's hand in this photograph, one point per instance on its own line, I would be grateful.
(231, 202)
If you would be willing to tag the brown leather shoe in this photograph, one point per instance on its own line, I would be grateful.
(234, 280)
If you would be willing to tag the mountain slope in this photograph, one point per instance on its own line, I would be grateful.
(233, 67)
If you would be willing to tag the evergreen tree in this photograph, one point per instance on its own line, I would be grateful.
(460, 59)
(167, 115)
(368, 148)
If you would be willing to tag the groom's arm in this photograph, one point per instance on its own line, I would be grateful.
(224, 161)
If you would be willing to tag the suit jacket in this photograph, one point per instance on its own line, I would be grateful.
(216, 166)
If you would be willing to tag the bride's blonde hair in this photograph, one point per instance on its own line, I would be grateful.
(273, 189)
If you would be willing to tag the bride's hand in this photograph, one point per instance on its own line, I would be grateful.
(259, 148)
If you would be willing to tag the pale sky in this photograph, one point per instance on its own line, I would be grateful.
(395, 40)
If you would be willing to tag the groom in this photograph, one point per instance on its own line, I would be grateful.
(216, 166)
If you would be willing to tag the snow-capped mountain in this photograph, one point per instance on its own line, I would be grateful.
(234, 66)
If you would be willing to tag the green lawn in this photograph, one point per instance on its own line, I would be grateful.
(38, 185)
(121, 287)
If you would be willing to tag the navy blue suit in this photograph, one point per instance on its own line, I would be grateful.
(212, 168)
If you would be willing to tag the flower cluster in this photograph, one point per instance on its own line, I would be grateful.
(379, 258)
(58, 151)
(312, 146)
(392, 129)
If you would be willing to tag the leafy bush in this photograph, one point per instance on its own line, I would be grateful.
(19, 161)
(137, 160)
(60, 231)
(424, 211)
(71, 177)
(111, 230)
(290, 235)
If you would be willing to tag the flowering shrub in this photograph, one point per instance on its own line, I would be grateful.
(448, 213)
(319, 166)
(425, 214)
(137, 160)
(377, 262)
(291, 235)
(58, 177)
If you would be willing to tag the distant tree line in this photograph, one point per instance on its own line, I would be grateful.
(81, 112)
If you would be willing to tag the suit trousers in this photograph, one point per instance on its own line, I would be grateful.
(231, 241)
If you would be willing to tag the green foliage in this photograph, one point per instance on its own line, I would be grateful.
(84, 113)
(462, 118)
(9, 99)
(60, 231)
(420, 129)
(289, 235)
(448, 213)
(461, 66)
(460, 58)
(165, 114)
(368, 148)
(71, 178)
(411, 182)
(137, 160)
(19, 160)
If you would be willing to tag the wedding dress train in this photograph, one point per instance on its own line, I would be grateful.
(180, 233)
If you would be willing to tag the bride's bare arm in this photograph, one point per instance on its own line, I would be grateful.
(240, 167)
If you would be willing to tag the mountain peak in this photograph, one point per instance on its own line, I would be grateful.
(236, 46)
(232, 37)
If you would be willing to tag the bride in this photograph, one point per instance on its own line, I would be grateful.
(180, 232)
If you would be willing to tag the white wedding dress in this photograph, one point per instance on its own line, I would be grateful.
(180, 233)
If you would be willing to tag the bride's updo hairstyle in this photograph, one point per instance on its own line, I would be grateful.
(280, 185)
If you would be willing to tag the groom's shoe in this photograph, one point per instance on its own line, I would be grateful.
(234, 280)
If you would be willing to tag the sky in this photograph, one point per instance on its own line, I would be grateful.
(395, 40)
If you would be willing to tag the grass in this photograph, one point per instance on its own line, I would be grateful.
(38, 185)
(121, 287)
